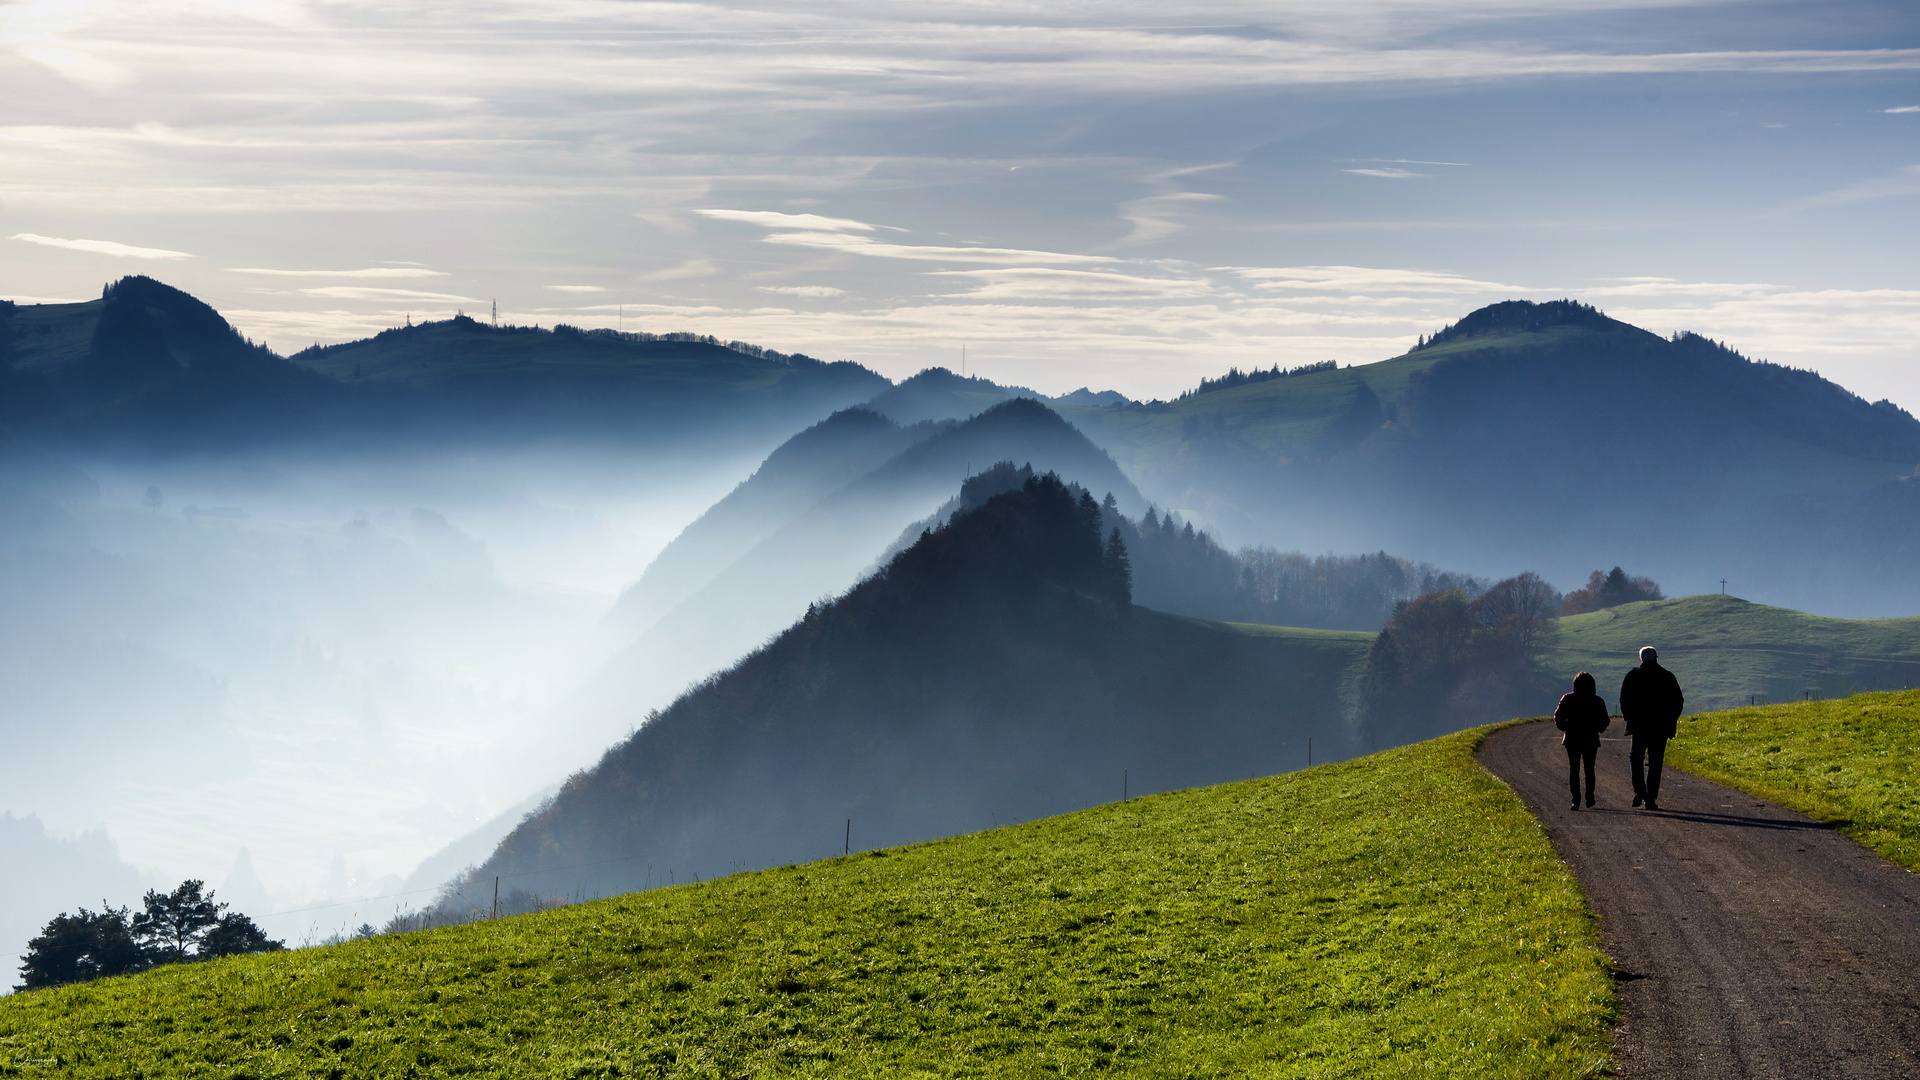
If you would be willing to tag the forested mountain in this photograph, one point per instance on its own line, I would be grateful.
(813, 554)
(148, 367)
(991, 673)
(1551, 436)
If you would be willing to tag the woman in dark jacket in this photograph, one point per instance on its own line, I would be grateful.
(1583, 716)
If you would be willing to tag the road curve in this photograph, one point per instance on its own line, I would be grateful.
(1749, 940)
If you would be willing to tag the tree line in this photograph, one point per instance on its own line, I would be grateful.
(1455, 657)
(178, 927)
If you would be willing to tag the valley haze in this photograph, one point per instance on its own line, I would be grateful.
(305, 621)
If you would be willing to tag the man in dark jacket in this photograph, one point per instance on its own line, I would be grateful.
(1651, 702)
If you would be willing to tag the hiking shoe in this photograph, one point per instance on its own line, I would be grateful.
(1638, 799)
(1589, 804)
(1651, 805)
(1575, 806)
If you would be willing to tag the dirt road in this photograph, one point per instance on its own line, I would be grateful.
(1750, 941)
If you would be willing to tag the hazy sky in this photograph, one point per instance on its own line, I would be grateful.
(1081, 193)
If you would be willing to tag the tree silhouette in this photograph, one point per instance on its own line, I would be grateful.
(173, 923)
(235, 934)
(1610, 589)
(1117, 568)
(75, 948)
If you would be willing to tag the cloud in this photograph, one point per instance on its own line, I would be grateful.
(358, 292)
(803, 290)
(1389, 174)
(1905, 109)
(691, 268)
(101, 247)
(773, 219)
(864, 245)
(576, 288)
(18, 299)
(1904, 182)
(1038, 283)
(1157, 216)
(368, 272)
(1364, 279)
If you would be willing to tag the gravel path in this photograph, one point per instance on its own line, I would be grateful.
(1749, 940)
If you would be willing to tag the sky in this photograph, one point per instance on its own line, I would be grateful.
(1077, 194)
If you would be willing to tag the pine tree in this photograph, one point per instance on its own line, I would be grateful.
(173, 923)
(1117, 569)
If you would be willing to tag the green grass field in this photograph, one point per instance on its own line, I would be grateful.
(1853, 763)
(1726, 650)
(1397, 915)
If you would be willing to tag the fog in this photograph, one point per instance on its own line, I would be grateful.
(296, 678)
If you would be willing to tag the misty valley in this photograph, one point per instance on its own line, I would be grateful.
(465, 621)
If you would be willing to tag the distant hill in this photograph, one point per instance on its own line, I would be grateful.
(149, 367)
(939, 394)
(823, 504)
(805, 469)
(696, 616)
(1550, 436)
(987, 675)
(1727, 651)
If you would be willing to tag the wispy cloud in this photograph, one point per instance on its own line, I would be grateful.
(821, 291)
(367, 272)
(691, 268)
(361, 292)
(1389, 174)
(1905, 109)
(1366, 279)
(576, 288)
(1158, 216)
(1902, 183)
(773, 219)
(845, 244)
(1041, 283)
(101, 247)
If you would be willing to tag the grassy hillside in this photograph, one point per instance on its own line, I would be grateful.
(1398, 915)
(1850, 763)
(1725, 650)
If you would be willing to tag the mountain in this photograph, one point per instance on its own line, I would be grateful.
(989, 674)
(939, 394)
(1553, 437)
(817, 553)
(524, 379)
(805, 469)
(148, 366)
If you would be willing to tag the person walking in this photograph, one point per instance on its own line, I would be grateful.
(1651, 702)
(1583, 716)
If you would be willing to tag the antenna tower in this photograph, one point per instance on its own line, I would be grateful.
(496, 313)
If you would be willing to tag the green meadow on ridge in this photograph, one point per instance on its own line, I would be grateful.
(1853, 763)
(1395, 915)
(1725, 650)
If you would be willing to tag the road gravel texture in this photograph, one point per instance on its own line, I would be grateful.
(1748, 940)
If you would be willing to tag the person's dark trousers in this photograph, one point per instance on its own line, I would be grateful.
(1575, 756)
(1649, 753)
